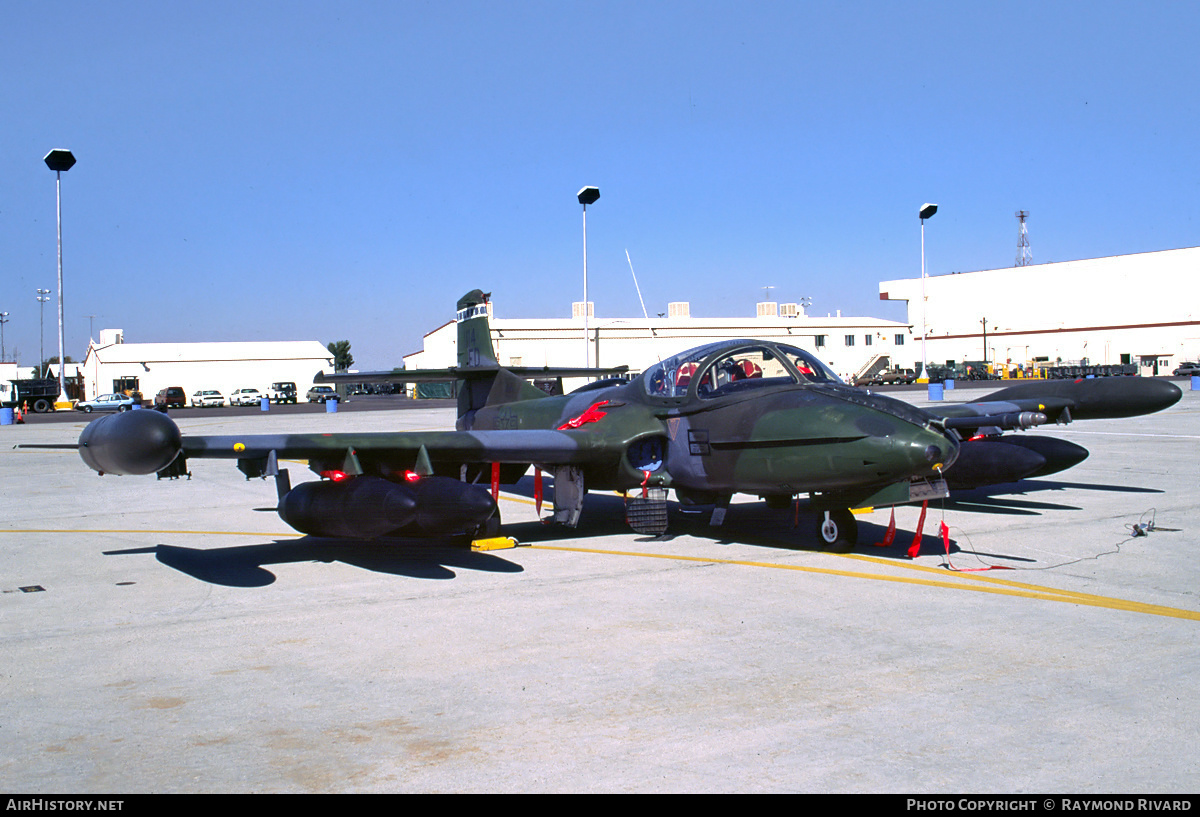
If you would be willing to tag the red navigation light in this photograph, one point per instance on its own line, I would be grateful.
(411, 476)
(336, 476)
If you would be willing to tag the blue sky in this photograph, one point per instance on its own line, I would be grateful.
(302, 170)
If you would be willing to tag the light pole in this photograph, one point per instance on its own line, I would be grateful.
(984, 321)
(927, 211)
(3, 320)
(43, 295)
(60, 160)
(586, 196)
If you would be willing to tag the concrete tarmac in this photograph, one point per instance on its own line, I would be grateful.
(176, 636)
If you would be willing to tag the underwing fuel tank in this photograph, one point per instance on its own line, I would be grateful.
(131, 442)
(368, 507)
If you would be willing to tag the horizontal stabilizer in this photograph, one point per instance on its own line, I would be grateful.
(467, 373)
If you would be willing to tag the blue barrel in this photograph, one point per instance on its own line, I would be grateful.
(6, 416)
(949, 383)
(1196, 382)
(264, 404)
(935, 391)
(331, 406)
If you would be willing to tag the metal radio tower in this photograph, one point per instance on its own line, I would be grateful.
(1024, 254)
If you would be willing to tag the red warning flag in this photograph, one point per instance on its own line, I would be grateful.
(915, 550)
(890, 536)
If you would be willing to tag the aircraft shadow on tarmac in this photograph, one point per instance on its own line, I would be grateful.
(243, 566)
(1002, 499)
(757, 525)
(751, 524)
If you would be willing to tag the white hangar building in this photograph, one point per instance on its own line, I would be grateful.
(1142, 308)
(111, 365)
(848, 345)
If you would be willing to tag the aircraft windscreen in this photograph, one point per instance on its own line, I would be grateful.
(671, 377)
(749, 365)
(744, 369)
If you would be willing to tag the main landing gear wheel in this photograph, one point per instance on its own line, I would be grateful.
(839, 531)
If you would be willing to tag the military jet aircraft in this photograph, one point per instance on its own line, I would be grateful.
(741, 416)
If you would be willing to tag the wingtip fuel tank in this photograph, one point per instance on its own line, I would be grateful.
(131, 442)
(1101, 397)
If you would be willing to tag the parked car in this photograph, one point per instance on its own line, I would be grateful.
(206, 399)
(1187, 369)
(282, 392)
(170, 397)
(320, 394)
(245, 397)
(107, 402)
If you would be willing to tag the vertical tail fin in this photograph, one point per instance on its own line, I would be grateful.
(488, 384)
(474, 334)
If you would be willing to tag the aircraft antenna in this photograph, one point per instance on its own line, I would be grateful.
(645, 314)
(1024, 254)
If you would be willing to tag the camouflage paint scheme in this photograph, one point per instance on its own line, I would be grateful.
(741, 416)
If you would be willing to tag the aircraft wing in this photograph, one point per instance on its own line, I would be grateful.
(558, 447)
(146, 442)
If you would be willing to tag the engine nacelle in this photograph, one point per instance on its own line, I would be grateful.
(130, 442)
(368, 507)
(991, 462)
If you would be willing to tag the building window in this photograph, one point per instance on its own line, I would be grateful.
(849, 340)
(899, 340)
(820, 341)
(867, 340)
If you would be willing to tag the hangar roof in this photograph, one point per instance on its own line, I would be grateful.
(199, 352)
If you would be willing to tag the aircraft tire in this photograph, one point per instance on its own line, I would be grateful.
(839, 533)
(490, 528)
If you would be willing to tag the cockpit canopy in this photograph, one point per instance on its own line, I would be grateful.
(728, 367)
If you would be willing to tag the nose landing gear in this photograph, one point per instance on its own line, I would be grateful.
(839, 531)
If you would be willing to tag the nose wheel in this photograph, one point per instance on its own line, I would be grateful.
(839, 531)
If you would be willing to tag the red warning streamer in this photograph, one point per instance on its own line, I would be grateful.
(915, 549)
(949, 564)
(890, 536)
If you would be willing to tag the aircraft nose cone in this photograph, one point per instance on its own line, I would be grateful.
(942, 454)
